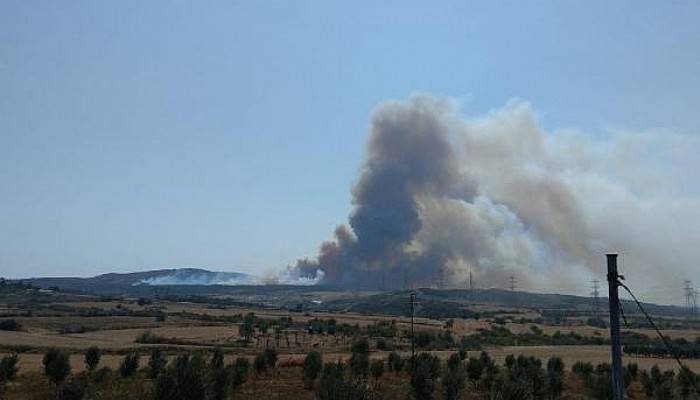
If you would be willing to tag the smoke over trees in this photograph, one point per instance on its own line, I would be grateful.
(439, 196)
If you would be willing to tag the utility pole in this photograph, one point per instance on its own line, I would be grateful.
(512, 283)
(596, 297)
(413, 332)
(471, 286)
(616, 371)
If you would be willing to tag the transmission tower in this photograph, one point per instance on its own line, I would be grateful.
(689, 294)
(512, 283)
(595, 285)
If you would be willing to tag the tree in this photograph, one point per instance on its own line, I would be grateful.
(359, 360)
(424, 374)
(217, 359)
(73, 389)
(240, 370)
(395, 362)
(219, 377)
(555, 378)
(56, 365)
(455, 377)
(686, 383)
(260, 363)
(376, 369)
(8, 368)
(313, 364)
(156, 363)
(247, 329)
(184, 379)
(270, 355)
(129, 365)
(92, 358)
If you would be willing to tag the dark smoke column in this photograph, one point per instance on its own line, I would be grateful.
(408, 156)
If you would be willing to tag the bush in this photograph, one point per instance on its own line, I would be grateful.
(359, 364)
(129, 365)
(92, 358)
(382, 344)
(395, 362)
(260, 363)
(217, 359)
(239, 371)
(376, 369)
(56, 365)
(454, 379)
(10, 325)
(101, 375)
(313, 364)
(73, 389)
(270, 357)
(156, 363)
(334, 385)
(184, 379)
(555, 377)
(8, 368)
(424, 374)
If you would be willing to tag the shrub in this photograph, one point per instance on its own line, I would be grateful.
(217, 359)
(240, 370)
(10, 325)
(270, 355)
(8, 368)
(376, 369)
(425, 371)
(313, 363)
(395, 362)
(156, 363)
(92, 358)
(73, 389)
(129, 365)
(260, 363)
(454, 379)
(56, 365)
(555, 377)
(184, 379)
(359, 364)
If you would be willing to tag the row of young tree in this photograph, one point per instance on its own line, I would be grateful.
(196, 376)
(660, 350)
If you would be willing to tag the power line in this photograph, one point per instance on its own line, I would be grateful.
(663, 338)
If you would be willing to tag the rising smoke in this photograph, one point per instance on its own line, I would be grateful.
(440, 196)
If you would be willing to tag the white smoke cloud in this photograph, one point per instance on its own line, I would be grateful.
(509, 197)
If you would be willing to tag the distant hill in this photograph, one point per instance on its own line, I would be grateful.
(114, 283)
(436, 302)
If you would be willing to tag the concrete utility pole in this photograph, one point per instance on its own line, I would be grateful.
(616, 370)
(413, 341)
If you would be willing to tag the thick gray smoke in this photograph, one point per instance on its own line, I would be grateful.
(440, 196)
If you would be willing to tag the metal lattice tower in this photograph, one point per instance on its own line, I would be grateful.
(689, 294)
(512, 283)
(595, 285)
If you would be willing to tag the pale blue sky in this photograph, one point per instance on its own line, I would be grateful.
(145, 134)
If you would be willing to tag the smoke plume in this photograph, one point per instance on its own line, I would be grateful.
(440, 197)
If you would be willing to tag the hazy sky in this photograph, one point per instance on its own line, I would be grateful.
(138, 135)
